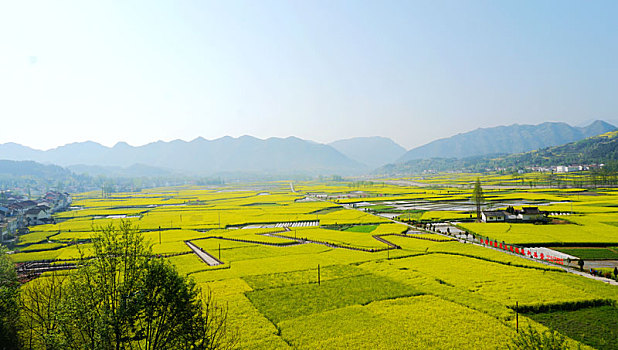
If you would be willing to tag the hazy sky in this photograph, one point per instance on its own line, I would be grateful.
(414, 71)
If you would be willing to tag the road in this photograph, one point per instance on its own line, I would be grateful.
(565, 268)
(207, 258)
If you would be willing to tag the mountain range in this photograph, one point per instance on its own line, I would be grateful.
(295, 156)
(198, 157)
(372, 151)
(600, 149)
(505, 140)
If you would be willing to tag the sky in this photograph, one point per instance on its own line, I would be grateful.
(413, 71)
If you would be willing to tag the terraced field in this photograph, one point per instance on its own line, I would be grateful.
(353, 279)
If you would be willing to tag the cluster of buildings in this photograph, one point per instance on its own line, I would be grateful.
(18, 212)
(526, 214)
(565, 168)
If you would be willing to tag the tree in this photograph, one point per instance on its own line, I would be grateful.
(478, 198)
(191, 323)
(41, 312)
(9, 311)
(123, 298)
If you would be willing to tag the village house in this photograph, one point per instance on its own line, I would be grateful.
(38, 215)
(494, 215)
(526, 214)
(57, 201)
(17, 212)
(8, 226)
(530, 214)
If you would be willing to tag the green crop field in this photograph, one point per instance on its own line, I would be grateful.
(591, 253)
(596, 326)
(294, 274)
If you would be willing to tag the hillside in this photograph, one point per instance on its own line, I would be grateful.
(506, 140)
(593, 150)
(9, 168)
(372, 151)
(200, 157)
(601, 149)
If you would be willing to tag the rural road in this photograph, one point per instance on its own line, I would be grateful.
(207, 258)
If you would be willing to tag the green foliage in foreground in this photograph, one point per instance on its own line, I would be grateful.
(284, 303)
(120, 299)
(8, 302)
(595, 326)
(531, 339)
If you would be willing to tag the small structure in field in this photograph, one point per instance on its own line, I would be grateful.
(526, 214)
(530, 214)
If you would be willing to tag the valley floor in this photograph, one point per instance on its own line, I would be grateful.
(299, 269)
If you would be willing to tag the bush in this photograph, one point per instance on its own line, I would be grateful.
(531, 339)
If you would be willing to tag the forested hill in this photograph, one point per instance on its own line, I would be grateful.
(601, 149)
(29, 168)
(506, 140)
(593, 150)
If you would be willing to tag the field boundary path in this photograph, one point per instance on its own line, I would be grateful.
(390, 245)
(207, 258)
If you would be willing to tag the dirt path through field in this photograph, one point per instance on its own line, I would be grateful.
(207, 258)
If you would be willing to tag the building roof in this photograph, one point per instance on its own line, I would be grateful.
(495, 212)
(34, 211)
(530, 210)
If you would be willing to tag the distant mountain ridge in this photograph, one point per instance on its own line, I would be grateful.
(593, 150)
(506, 140)
(372, 151)
(600, 149)
(200, 156)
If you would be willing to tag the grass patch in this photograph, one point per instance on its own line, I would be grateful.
(595, 326)
(590, 253)
(285, 279)
(283, 303)
(41, 247)
(362, 228)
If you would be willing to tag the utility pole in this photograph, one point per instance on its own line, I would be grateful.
(219, 251)
(159, 235)
(318, 274)
(517, 316)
